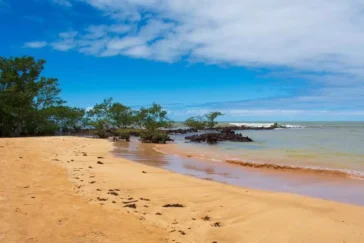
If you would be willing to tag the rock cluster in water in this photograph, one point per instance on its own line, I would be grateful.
(181, 131)
(224, 135)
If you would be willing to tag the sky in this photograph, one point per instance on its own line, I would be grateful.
(253, 60)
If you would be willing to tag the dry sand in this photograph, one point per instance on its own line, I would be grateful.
(53, 189)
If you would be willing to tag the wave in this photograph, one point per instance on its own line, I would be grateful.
(239, 124)
(315, 170)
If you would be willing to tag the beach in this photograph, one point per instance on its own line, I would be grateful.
(71, 189)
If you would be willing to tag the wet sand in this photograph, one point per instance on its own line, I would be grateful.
(331, 186)
(67, 189)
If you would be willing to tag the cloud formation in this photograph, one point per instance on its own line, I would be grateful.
(35, 44)
(65, 3)
(316, 40)
(324, 35)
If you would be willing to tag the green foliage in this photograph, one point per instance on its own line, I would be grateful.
(196, 123)
(276, 125)
(66, 118)
(28, 101)
(121, 116)
(131, 131)
(125, 136)
(99, 117)
(152, 118)
(154, 137)
(211, 118)
(207, 121)
(30, 105)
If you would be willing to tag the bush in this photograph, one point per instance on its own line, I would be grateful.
(276, 125)
(125, 135)
(132, 131)
(154, 137)
(196, 123)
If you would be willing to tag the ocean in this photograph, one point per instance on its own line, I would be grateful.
(317, 159)
(331, 146)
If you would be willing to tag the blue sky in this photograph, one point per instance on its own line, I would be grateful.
(252, 60)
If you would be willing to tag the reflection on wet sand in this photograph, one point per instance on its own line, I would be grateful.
(337, 189)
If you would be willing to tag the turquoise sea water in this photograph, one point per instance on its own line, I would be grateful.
(337, 146)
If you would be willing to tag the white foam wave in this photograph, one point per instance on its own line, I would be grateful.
(293, 126)
(239, 124)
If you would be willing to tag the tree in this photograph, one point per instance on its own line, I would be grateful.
(67, 118)
(98, 117)
(121, 116)
(24, 95)
(153, 118)
(211, 118)
(196, 122)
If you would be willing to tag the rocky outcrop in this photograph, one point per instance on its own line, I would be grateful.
(224, 135)
(181, 131)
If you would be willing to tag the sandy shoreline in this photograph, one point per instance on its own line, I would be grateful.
(269, 167)
(53, 189)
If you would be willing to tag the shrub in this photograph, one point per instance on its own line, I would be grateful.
(154, 137)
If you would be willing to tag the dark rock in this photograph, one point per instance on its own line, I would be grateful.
(176, 205)
(133, 205)
(113, 193)
(130, 202)
(100, 163)
(217, 224)
(206, 218)
(224, 135)
(181, 131)
(101, 199)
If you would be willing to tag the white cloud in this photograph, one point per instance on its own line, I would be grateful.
(65, 3)
(35, 44)
(317, 40)
(66, 42)
(314, 35)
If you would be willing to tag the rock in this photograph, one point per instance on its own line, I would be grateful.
(181, 131)
(224, 135)
(206, 218)
(217, 224)
(133, 205)
(176, 205)
(113, 193)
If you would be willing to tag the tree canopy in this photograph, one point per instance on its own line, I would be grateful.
(153, 118)
(196, 122)
(207, 121)
(30, 103)
(120, 115)
(211, 118)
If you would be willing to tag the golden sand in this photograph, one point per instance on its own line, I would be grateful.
(68, 189)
